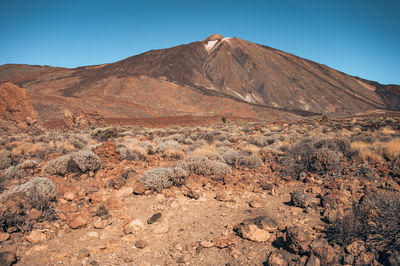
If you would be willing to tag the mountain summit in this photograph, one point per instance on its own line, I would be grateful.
(217, 76)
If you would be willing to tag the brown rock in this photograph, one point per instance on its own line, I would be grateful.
(36, 236)
(253, 233)
(78, 220)
(256, 203)
(4, 237)
(69, 195)
(297, 240)
(223, 242)
(313, 261)
(154, 218)
(168, 193)
(222, 196)
(266, 223)
(282, 258)
(16, 108)
(101, 223)
(206, 244)
(114, 203)
(8, 257)
(139, 189)
(107, 153)
(34, 214)
(141, 244)
(321, 248)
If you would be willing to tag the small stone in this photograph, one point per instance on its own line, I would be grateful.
(77, 220)
(154, 218)
(297, 240)
(168, 193)
(321, 248)
(34, 214)
(141, 244)
(313, 261)
(93, 234)
(222, 196)
(114, 203)
(253, 233)
(134, 226)
(36, 236)
(139, 189)
(300, 199)
(69, 195)
(8, 257)
(100, 223)
(4, 237)
(125, 192)
(223, 242)
(256, 203)
(206, 244)
(281, 258)
(266, 223)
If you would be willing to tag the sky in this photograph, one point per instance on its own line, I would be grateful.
(358, 37)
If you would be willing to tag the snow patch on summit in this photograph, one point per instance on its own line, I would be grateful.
(210, 44)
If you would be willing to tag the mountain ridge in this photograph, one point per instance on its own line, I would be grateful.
(243, 77)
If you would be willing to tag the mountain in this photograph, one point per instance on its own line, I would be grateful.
(218, 76)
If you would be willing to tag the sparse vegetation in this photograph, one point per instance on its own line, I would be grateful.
(374, 221)
(200, 165)
(82, 161)
(161, 178)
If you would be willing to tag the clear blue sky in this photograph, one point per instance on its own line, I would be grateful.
(359, 37)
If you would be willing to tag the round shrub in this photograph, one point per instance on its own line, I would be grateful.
(250, 161)
(161, 178)
(5, 159)
(200, 165)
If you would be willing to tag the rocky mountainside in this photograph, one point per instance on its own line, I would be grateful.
(215, 77)
(16, 109)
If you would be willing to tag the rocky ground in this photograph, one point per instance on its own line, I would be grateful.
(311, 192)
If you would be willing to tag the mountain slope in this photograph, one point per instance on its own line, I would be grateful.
(217, 76)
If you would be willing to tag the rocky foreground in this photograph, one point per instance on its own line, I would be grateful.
(292, 193)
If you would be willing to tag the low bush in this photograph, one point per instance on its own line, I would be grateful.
(36, 193)
(13, 173)
(200, 165)
(103, 134)
(5, 159)
(310, 155)
(374, 220)
(29, 164)
(82, 161)
(161, 178)
(250, 161)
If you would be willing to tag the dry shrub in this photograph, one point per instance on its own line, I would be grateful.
(201, 165)
(104, 134)
(374, 220)
(81, 161)
(313, 155)
(388, 130)
(391, 149)
(13, 173)
(203, 150)
(36, 193)
(249, 148)
(250, 161)
(368, 152)
(29, 164)
(161, 178)
(5, 159)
